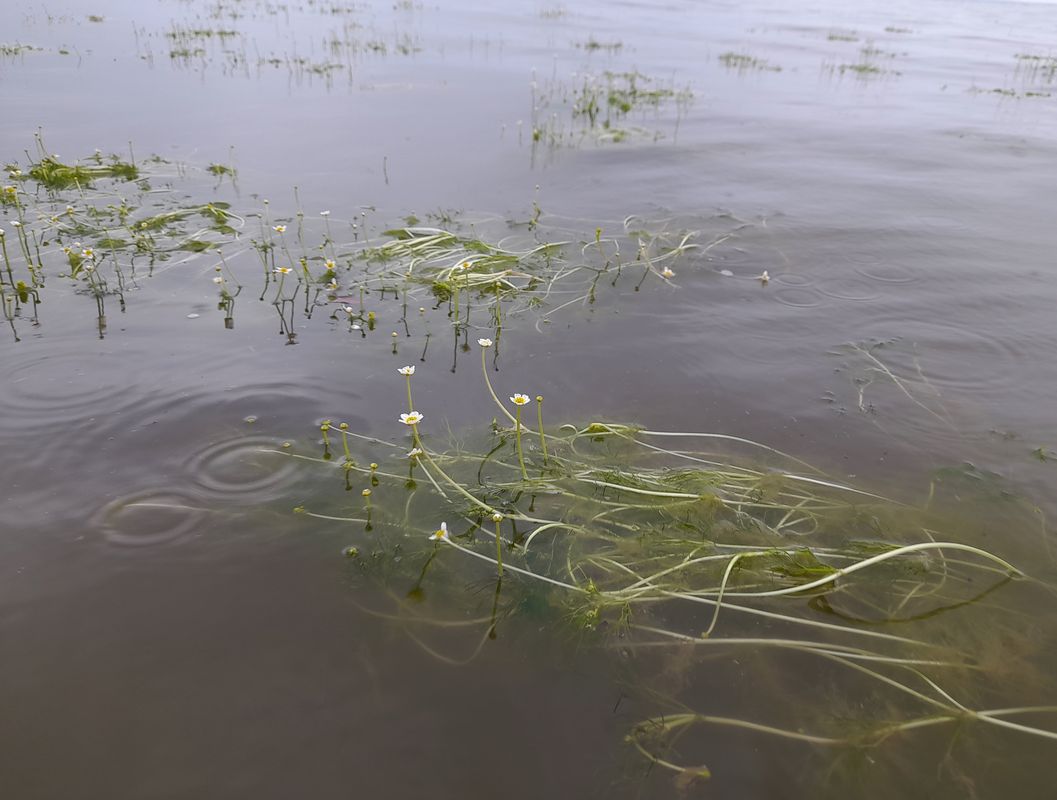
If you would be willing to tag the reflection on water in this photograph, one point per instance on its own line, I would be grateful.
(882, 163)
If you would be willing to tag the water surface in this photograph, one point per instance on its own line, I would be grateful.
(168, 626)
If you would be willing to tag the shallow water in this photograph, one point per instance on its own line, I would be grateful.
(168, 627)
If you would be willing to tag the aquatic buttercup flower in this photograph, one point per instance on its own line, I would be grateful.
(331, 286)
(497, 517)
(218, 280)
(348, 310)
(484, 342)
(1, 233)
(764, 277)
(441, 534)
(329, 263)
(279, 228)
(408, 370)
(324, 213)
(15, 223)
(411, 419)
(414, 452)
(283, 270)
(519, 399)
(667, 273)
(88, 252)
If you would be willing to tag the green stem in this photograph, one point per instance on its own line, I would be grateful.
(539, 425)
(488, 383)
(517, 439)
(498, 548)
(10, 274)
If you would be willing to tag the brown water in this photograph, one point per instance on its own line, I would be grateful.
(225, 648)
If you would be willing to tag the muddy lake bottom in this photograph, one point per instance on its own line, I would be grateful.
(783, 276)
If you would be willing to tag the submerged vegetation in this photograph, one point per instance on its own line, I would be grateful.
(101, 223)
(744, 63)
(96, 224)
(667, 545)
(599, 107)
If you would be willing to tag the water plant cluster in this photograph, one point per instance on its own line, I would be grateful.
(103, 224)
(231, 38)
(97, 225)
(604, 107)
(695, 550)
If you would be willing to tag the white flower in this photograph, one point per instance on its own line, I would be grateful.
(497, 517)
(356, 327)
(667, 273)
(331, 286)
(411, 419)
(89, 268)
(463, 265)
(441, 534)
(15, 223)
(1, 233)
(279, 228)
(519, 399)
(87, 253)
(414, 452)
(324, 213)
(484, 342)
(348, 310)
(283, 270)
(329, 263)
(764, 277)
(408, 370)
(218, 280)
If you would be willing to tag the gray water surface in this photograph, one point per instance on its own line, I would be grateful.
(168, 628)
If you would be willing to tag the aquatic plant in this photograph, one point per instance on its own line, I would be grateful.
(565, 113)
(743, 62)
(99, 224)
(649, 542)
(478, 270)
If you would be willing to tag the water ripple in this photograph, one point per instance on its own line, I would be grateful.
(239, 468)
(798, 298)
(150, 518)
(848, 289)
(886, 272)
